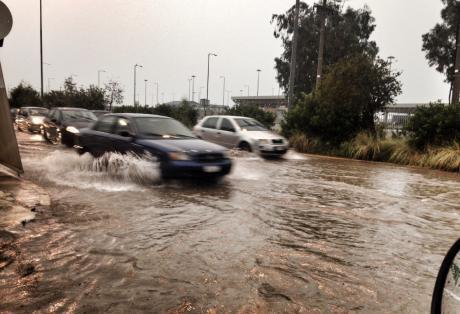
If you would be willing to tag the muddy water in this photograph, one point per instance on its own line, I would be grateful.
(302, 234)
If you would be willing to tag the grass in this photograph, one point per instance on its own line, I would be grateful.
(395, 150)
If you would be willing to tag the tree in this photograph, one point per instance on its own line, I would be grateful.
(24, 95)
(113, 93)
(264, 117)
(436, 125)
(351, 93)
(439, 44)
(347, 33)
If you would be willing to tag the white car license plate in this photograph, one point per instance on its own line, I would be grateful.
(211, 169)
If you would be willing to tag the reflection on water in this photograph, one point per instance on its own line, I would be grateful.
(297, 235)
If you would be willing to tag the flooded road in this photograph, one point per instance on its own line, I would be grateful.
(304, 234)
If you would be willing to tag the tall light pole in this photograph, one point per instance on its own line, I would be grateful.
(41, 50)
(293, 63)
(319, 73)
(248, 88)
(223, 91)
(99, 77)
(189, 89)
(258, 78)
(135, 68)
(193, 87)
(145, 91)
(207, 82)
(158, 102)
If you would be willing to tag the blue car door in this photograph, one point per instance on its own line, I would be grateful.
(99, 140)
(123, 137)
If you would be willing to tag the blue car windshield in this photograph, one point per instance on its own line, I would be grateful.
(159, 127)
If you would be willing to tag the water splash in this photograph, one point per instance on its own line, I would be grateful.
(112, 172)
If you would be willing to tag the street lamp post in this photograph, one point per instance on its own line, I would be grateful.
(193, 87)
(135, 68)
(99, 77)
(145, 91)
(258, 78)
(189, 89)
(223, 91)
(248, 88)
(207, 83)
(228, 96)
(158, 102)
(293, 61)
(41, 50)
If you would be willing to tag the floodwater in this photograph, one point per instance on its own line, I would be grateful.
(303, 234)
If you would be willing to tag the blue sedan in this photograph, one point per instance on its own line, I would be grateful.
(180, 153)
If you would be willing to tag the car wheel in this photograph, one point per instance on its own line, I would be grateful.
(53, 140)
(244, 146)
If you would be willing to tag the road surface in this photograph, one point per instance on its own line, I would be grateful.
(303, 234)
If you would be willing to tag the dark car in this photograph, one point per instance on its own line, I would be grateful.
(63, 124)
(180, 153)
(99, 113)
(31, 118)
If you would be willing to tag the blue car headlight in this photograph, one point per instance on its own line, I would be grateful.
(179, 156)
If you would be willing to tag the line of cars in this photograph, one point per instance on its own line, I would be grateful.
(180, 152)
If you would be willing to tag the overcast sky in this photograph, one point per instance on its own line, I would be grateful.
(171, 39)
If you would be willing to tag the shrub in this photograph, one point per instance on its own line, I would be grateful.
(264, 117)
(446, 158)
(185, 113)
(435, 125)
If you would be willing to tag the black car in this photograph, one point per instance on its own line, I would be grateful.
(179, 152)
(31, 118)
(63, 124)
(99, 113)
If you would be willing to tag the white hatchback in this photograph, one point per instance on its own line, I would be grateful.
(243, 133)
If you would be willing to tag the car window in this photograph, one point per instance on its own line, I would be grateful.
(123, 126)
(78, 115)
(159, 127)
(250, 124)
(105, 124)
(226, 125)
(210, 123)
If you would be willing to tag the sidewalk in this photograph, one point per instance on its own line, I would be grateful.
(18, 200)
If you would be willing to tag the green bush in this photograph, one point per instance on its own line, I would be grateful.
(264, 117)
(435, 125)
(184, 113)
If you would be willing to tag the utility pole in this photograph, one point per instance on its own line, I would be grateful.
(193, 87)
(248, 88)
(258, 78)
(145, 91)
(207, 83)
(223, 92)
(293, 63)
(456, 88)
(199, 95)
(99, 77)
(41, 50)
(135, 68)
(322, 33)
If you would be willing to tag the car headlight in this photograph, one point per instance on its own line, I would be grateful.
(179, 156)
(36, 120)
(263, 142)
(72, 129)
